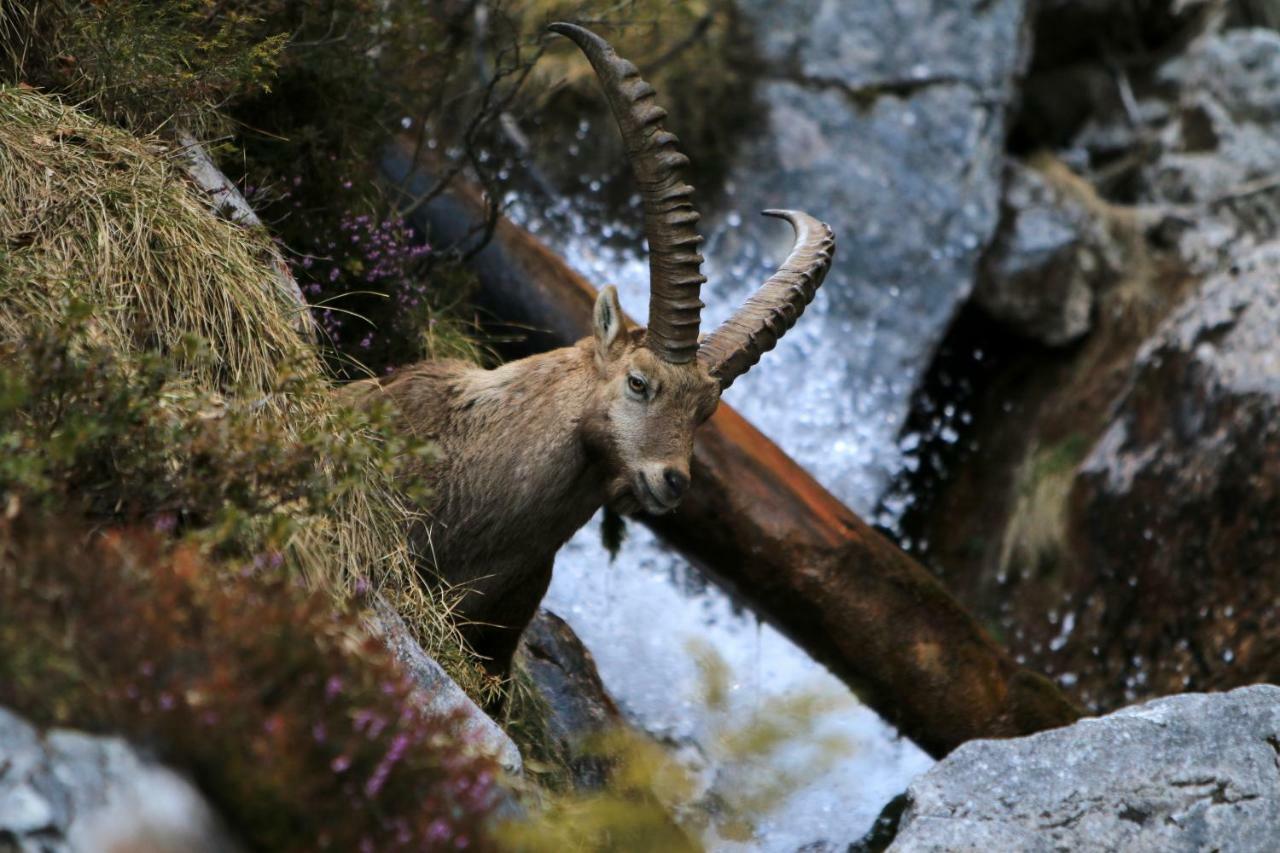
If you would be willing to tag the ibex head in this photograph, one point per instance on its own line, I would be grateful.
(658, 384)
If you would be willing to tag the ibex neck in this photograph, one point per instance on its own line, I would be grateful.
(530, 412)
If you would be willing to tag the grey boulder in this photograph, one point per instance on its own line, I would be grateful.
(69, 791)
(1191, 772)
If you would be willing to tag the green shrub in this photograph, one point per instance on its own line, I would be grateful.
(143, 65)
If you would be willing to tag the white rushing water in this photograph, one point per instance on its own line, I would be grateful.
(649, 619)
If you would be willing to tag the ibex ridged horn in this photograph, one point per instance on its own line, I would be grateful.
(755, 328)
(670, 219)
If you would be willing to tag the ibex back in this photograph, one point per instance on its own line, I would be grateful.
(530, 450)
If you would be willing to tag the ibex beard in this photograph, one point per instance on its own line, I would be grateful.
(529, 451)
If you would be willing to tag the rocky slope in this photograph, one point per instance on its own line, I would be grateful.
(1108, 510)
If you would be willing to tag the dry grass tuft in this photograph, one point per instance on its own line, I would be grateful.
(94, 214)
(1035, 538)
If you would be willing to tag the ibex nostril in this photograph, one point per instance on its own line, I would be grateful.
(677, 481)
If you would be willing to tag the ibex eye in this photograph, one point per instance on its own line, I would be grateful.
(637, 385)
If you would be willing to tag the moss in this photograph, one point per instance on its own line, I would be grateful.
(1063, 457)
(653, 801)
(1035, 535)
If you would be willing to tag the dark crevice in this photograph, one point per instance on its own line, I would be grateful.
(1273, 741)
(864, 95)
(1088, 59)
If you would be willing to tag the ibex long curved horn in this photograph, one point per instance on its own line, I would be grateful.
(670, 220)
(768, 313)
(670, 224)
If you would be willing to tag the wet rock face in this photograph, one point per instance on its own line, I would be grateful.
(1228, 102)
(1187, 773)
(577, 704)
(1123, 498)
(67, 791)
(1049, 256)
(1174, 510)
(1077, 45)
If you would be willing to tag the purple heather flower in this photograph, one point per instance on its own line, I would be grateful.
(376, 781)
(439, 830)
(371, 720)
(340, 764)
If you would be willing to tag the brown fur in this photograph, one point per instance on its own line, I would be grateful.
(530, 450)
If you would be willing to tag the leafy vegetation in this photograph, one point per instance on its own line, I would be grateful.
(298, 99)
(143, 65)
(191, 515)
(153, 366)
(302, 734)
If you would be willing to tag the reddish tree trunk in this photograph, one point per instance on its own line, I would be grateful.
(762, 527)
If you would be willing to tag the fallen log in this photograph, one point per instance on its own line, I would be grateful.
(760, 526)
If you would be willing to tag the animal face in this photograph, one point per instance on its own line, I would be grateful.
(644, 414)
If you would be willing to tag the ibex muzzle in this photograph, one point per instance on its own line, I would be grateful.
(531, 449)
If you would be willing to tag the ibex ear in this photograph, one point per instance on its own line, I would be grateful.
(610, 324)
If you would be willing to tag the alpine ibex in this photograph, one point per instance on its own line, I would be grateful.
(532, 449)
